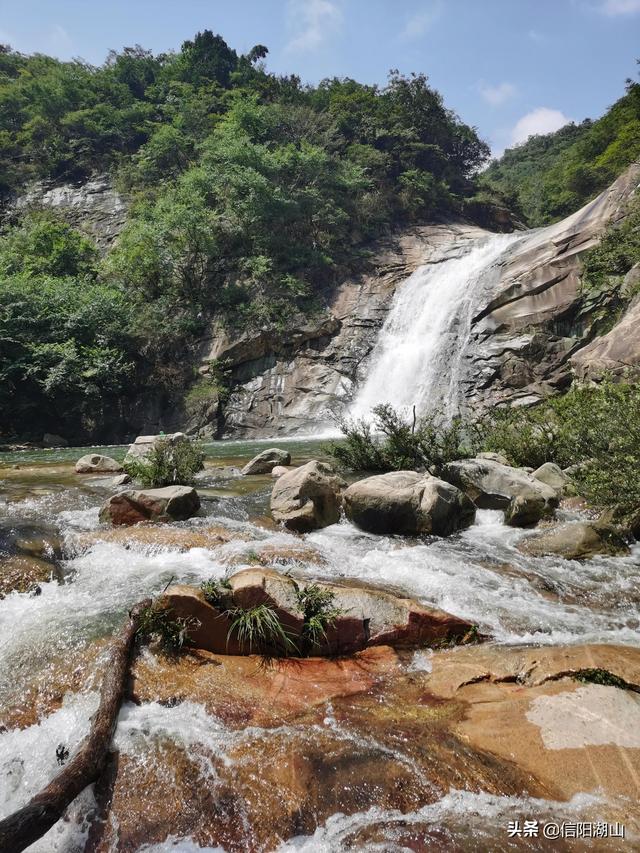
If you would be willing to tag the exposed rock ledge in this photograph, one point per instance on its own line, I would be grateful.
(534, 328)
(288, 746)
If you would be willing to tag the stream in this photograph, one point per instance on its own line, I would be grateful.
(51, 642)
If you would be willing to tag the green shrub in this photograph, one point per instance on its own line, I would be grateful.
(259, 628)
(319, 614)
(595, 427)
(393, 443)
(216, 592)
(167, 464)
(158, 622)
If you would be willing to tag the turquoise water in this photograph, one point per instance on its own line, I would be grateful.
(300, 449)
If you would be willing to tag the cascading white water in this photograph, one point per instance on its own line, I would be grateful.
(418, 358)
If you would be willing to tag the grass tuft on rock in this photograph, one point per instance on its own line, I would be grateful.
(158, 623)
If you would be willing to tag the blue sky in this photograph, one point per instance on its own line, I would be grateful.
(509, 67)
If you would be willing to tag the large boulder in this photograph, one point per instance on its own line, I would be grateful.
(365, 616)
(492, 485)
(553, 476)
(408, 503)
(265, 462)
(144, 444)
(307, 498)
(95, 463)
(575, 540)
(172, 503)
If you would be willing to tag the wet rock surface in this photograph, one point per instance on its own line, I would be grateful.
(575, 540)
(405, 502)
(297, 742)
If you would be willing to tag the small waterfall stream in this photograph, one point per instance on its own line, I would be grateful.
(419, 356)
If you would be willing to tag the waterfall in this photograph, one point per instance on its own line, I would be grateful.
(419, 356)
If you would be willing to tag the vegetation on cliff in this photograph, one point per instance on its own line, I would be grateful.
(550, 176)
(250, 194)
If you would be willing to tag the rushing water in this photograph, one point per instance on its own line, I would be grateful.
(418, 359)
(479, 574)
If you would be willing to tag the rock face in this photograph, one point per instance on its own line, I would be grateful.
(265, 462)
(94, 463)
(538, 325)
(616, 353)
(408, 503)
(350, 735)
(368, 617)
(532, 327)
(491, 485)
(287, 383)
(173, 503)
(307, 498)
(95, 206)
(575, 540)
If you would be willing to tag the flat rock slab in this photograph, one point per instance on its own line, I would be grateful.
(526, 705)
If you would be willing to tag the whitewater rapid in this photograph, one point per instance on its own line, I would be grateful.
(419, 357)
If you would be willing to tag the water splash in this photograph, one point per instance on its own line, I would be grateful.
(419, 356)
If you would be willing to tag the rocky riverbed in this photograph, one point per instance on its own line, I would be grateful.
(411, 747)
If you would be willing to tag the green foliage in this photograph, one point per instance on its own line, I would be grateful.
(42, 245)
(65, 349)
(259, 628)
(550, 176)
(395, 443)
(600, 676)
(319, 614)
(595, 427)
(605, 266)
(157, 622)
(167, 464)
(216, 592)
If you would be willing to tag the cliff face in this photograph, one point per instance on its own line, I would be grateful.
(535, 331)
(539, 329)
(292, 382)
(95, 207)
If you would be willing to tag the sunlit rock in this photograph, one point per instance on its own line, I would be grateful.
(95, 463)
(408, 503)
(265, 462)
(172, 503)
(308, 497)
(575, 540)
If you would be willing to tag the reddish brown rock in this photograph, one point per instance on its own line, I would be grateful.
(172, 503)
(367, 616)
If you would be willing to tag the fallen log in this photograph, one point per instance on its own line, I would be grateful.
(32, 821)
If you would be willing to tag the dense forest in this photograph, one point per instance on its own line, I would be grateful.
(249, 196)
(552, 175)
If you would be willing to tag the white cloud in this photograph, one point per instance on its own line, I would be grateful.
(620, 7)
(497, 95)
(541, 120)
(417, 25)
(312, 23)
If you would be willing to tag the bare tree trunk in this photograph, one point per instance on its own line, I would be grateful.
(29, 823)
